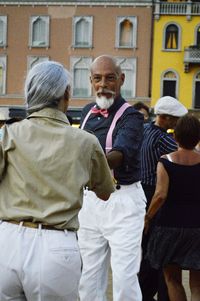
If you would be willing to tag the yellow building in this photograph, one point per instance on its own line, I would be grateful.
(176, 52)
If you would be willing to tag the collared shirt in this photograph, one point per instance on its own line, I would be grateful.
(44, 165)
(127, 138)
(156, 143)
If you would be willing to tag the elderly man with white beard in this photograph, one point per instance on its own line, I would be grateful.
(112, 230)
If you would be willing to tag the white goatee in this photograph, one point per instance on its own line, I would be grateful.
(104, 102)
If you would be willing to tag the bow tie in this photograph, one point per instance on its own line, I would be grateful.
(103, 112)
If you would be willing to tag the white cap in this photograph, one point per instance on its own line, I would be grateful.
(170, 106)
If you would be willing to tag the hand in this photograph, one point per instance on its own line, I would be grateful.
(146, 226)
(147, 221)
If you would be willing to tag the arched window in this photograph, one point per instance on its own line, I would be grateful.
(81, 76)
(197, 91)
(39, 32)
(1, 79)
(169, 84)
(2, 75)
(172, 37)
(197, 37)
(33, 60)
(3, 30)
(126, 32)
(82, 27)
(128, 67)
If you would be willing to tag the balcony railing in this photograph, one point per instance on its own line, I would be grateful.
(188, 9)
(173, 8)
(191, 56)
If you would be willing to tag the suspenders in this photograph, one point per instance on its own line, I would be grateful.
(110, 132)
(85, 120)
(115, 119)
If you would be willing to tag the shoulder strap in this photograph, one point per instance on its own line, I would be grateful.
(115, 119)
(86, 118)
(169, 157)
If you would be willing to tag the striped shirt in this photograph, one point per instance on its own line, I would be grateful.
(156, 142)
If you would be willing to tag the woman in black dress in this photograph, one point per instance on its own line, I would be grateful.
(174, 244)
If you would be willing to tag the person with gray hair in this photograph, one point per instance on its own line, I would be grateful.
(45, 84)
(44, 166)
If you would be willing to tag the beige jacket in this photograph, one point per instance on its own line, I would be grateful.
(45, 165)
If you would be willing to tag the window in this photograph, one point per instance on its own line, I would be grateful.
(3, 31)
(126, 32)
(197, 36)
(172, 37)
(197, 92)
(169, 84)
(2, 75)
(128, 66)
(33, 60)
(39, 31)
(81, 87)
(82, 31)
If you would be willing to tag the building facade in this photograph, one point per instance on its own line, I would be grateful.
(74, 33)
(176, 52)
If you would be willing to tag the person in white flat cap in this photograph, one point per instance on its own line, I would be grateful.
(168, 105)
(156, 142)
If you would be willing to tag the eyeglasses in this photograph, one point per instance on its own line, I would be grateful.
(108, 78)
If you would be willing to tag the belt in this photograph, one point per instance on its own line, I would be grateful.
(33, 225)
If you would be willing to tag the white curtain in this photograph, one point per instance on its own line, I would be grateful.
(1, 80)
(1, 32)
(128, 86)
(81, 81)
(39, 32)
(82, 37)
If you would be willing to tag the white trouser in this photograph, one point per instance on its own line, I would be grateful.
(111, 228)
(38, 265)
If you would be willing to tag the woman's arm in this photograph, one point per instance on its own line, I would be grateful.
(160, 194)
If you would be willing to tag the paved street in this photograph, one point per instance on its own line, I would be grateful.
(185, 281)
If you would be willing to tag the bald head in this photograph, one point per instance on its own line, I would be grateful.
(106, 61)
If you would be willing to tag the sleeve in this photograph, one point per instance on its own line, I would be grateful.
(4, 145)
(2, 161)
(167, 144)
(100, 175)
(129, 135)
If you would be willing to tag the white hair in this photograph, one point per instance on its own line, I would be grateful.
(45, 85)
